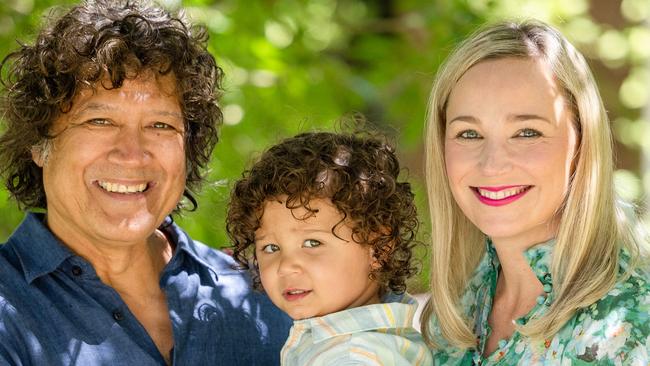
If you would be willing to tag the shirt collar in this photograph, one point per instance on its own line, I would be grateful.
(41, 253)
(538, 257)
(200, 253)
(394, 315)
(38, 250)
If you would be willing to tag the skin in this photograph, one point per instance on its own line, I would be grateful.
(508, 124)
(131, 136)
(296, 252)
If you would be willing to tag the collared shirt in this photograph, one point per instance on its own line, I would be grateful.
(54, 310)
(615, 330)
(379, 334)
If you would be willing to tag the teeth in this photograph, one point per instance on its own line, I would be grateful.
(501, 194)
(122, 188)
(296, 292)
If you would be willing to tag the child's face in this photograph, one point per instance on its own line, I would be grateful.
(305, 269)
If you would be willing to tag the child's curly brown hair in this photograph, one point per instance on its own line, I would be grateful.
(357, 173)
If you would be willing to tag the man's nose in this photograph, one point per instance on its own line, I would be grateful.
(130, 147)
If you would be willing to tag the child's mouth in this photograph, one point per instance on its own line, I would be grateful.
(295, 294)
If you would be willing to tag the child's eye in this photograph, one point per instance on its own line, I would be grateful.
(270, 248)
(468, 135)
(528, 133)
(311, 243)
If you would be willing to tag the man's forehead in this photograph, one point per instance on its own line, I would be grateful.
(101, 96)
(145, 83)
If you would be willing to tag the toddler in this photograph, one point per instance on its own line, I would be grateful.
(328, 231)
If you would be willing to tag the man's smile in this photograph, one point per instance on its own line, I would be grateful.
(123, 188)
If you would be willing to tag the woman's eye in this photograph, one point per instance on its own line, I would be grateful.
(528, 133)
(270, 248)
(311, 243)
(469, 135)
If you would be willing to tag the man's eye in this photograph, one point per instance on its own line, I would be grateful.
(311, 243)
(528, 133)
(270, 248)
(469, 135)
(99, 122)
(162, 125)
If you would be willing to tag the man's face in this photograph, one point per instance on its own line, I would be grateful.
(116, 167)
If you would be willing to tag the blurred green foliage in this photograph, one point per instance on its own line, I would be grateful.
(295, 65)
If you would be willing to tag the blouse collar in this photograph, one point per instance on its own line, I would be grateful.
(538, 256)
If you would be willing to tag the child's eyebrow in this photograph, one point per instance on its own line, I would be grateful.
(312, 231)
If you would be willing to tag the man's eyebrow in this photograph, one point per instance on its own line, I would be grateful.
(91, 107)
(168, 113)
(94, 106)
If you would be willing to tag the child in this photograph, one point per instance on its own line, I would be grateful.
(329, 231)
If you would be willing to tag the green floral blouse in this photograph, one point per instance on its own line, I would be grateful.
(613, 331)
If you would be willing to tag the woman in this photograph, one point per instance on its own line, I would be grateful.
(532, 260)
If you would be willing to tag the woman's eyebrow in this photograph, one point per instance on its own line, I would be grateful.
(527, 117)
(512, 118)
(468, 119)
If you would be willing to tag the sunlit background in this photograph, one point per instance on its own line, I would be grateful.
(299, 65)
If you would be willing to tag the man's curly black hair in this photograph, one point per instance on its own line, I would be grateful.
(100, 43)
(359, 174)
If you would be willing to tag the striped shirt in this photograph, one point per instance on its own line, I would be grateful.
(379, 334)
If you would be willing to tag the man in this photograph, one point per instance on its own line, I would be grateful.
(110, 117)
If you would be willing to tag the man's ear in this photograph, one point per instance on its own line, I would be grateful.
(37, 155)
(40, 152)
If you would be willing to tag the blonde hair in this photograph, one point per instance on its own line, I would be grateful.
(585, 263)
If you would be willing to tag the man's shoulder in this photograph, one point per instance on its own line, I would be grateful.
(12, 271)
(219, 260)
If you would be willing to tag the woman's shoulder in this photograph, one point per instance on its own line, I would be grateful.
(614, 328)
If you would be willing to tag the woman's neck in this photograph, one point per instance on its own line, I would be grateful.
(516, 291)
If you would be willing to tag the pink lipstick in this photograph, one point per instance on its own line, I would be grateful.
(501, 195)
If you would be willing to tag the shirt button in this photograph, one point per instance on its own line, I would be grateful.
(77, 271)
(118, 315)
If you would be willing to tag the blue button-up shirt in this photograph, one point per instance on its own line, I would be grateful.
(54, 310)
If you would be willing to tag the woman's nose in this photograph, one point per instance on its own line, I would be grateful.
(495, 158)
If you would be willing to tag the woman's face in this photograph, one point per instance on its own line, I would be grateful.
(509, 147)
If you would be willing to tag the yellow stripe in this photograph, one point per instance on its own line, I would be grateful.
(367, 354)
(419, 359)
(327, 327)
(389, 313)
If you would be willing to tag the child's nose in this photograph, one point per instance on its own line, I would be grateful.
(289, 264)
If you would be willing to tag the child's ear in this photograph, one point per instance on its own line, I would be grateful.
(377, 260)
(375, 264)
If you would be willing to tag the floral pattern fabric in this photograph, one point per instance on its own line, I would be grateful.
(613, 331)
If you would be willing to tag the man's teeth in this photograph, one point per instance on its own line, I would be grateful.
(123, 188)
(505, 193)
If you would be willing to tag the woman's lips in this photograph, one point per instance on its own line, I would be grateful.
(499, 196)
